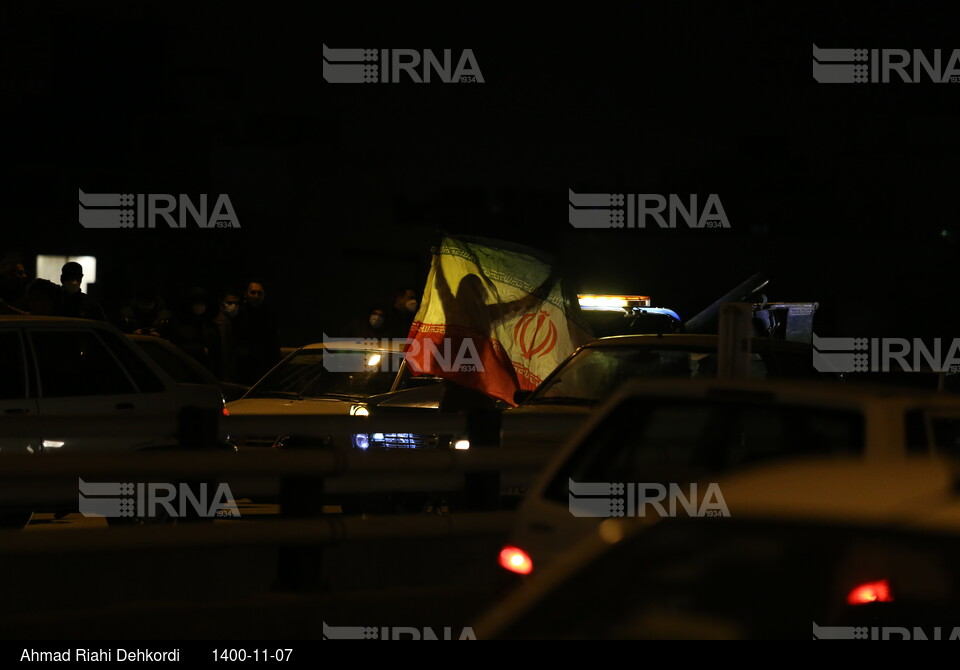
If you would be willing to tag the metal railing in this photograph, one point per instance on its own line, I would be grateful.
(306, 479)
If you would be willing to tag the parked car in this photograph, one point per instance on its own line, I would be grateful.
(823, 547)
(183, 367)
(686, 432)
(59, 367)
(63, 370)
(364, 380)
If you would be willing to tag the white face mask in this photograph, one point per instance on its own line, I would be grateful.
(376, 320)
(411, 305)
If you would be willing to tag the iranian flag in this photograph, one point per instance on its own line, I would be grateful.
(494, 317)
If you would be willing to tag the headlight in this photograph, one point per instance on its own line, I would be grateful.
(361, 440)
(461, 444)
(359, 410)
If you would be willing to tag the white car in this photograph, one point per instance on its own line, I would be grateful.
(671, 434)
(828, 548)
(350, 378)
(77, 386)
(362, 379)
(62, 370)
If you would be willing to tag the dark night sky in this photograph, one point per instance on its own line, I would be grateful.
(843, 193)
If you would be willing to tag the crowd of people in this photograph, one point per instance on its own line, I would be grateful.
(387, 320)
(235, 333)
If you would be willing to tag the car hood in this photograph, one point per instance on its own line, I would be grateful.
(541, 425)
(548, 410)
(427, 397)
(246, 406)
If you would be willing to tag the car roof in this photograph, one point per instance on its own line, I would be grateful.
(31, 320)
(788, 390)
(682, 340)
(358, 344)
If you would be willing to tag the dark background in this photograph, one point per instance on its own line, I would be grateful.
(845, 194)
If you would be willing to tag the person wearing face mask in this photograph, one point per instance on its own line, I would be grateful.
(76, 303)
(197, 333)
(230, 305)
(147, 314)
(376, 319)
(375, 325)
(229, 309)
(402, 312)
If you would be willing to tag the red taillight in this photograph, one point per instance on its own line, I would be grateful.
(872, 592)
(516, 560)
(226, 412)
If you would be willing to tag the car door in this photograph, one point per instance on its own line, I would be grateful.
(81, 376)
(17, 397)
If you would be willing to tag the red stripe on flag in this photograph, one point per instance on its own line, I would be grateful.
(464, 357)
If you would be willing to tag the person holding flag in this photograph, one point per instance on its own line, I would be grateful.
(504, 328)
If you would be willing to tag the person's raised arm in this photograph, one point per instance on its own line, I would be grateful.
(501, 311)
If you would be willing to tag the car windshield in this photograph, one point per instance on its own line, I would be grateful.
(331, 372)
(594, 373)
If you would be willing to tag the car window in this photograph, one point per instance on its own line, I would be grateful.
(644, 437)
(915, 429)
(76, 363)
(318, 372)
(145, 379)
(12, 382)
(938, 429)
(170, 362)
(946, 434)
(750, 579)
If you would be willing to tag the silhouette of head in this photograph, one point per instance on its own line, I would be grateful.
(255, 294)
(472, 290)
(71, 275)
